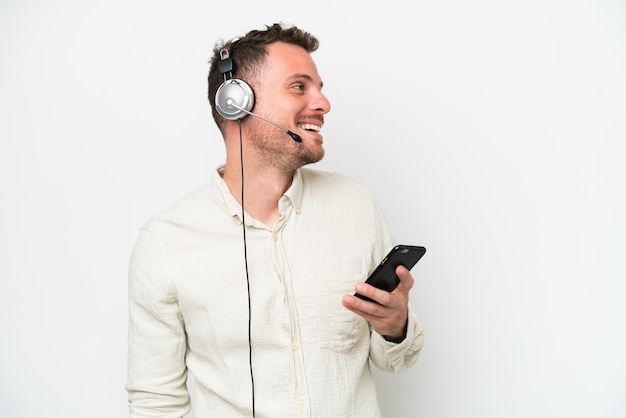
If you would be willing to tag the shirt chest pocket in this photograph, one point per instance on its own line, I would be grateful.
(340, 330)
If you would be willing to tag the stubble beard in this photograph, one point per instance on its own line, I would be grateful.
(279, 150)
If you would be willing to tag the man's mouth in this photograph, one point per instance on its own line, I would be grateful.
(309, 127)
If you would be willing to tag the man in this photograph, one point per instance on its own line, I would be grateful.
(258, 303)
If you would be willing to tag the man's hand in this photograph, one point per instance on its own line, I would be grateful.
(389, 317)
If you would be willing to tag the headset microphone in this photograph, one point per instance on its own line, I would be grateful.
(294, 136)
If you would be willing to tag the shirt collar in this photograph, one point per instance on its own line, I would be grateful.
(221, 194)
(295, 191)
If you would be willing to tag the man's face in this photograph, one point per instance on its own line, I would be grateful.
(288, 91)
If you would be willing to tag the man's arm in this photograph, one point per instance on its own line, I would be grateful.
(157, 375)
(389, 316)
(397, 336)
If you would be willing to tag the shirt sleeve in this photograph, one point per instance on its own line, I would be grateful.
(157, 374)
(386, 355)
(398, 357)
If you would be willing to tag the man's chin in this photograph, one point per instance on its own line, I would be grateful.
(314, 157)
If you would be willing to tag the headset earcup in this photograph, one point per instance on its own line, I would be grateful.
(234, 92)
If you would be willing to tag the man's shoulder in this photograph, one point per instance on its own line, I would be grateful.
(334, 180)
(187, 208)
(327, 177)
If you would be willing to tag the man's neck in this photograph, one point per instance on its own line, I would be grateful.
(263, 188)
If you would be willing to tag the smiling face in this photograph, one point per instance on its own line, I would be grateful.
(288, 92)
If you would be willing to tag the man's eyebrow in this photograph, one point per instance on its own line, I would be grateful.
(303, 76)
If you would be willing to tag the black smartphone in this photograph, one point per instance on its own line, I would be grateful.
(384, 277)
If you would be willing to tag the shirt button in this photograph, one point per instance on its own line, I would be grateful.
(301, 400)
(294, 346)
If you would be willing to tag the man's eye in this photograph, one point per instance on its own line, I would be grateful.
(298, 86)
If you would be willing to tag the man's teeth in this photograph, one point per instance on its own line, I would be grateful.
(309, 127)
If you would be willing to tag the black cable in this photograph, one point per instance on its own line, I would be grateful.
(245, 257)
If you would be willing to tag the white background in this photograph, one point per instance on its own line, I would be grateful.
(492, 132)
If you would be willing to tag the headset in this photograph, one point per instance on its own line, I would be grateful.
(234, 100)
(234, 97)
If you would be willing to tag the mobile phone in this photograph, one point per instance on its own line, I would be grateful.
(384, 277)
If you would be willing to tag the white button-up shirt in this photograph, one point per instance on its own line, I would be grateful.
(189, 306)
